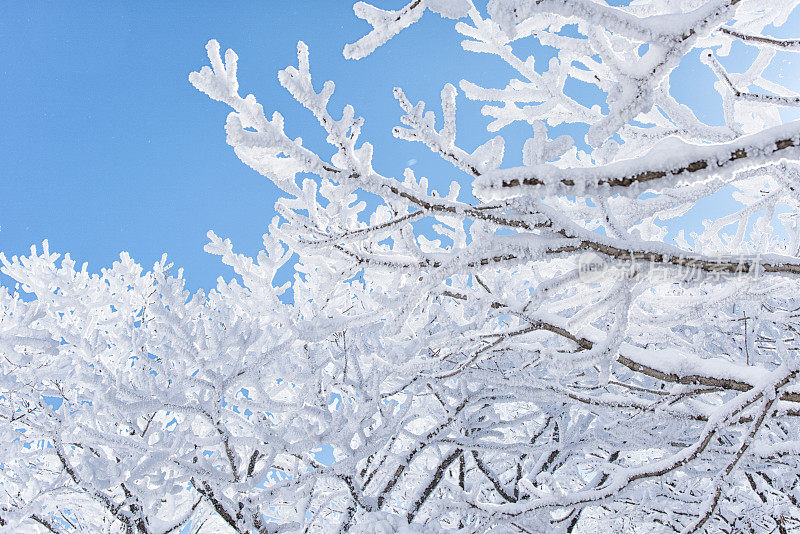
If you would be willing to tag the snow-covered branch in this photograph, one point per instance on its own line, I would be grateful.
(565, 352)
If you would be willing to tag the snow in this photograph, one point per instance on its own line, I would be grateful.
(442, 365)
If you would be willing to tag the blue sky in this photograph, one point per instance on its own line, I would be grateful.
(107, 147)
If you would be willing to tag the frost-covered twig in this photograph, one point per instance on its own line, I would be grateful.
(783, 44)
(709, 59)
(671, 163)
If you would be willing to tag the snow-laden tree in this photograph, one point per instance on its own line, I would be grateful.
(541, 358)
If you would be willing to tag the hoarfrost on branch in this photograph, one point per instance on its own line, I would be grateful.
(541, 358)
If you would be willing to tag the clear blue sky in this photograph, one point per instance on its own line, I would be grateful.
(106, 146)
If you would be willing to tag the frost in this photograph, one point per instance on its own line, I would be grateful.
(452, 9)
(560, 353)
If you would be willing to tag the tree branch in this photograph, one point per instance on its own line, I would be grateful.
(792, 45)
(689, 163)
